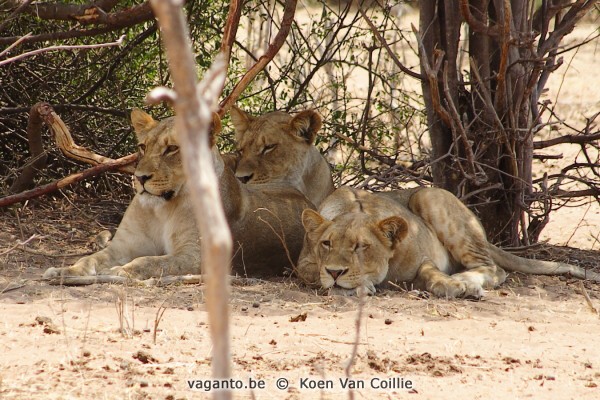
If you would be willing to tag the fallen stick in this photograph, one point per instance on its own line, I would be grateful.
(69, 180)
(164, 281)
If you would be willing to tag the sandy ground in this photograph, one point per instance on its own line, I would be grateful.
(535, 337)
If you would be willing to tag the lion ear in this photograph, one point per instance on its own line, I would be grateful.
(394, 228)
(241, 121)
(311, 220)
(142, 122)
(215, 129)
(306, 125)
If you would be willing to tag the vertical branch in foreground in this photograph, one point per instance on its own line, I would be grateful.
(193, 106)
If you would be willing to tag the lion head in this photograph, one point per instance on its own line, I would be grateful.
(279, 147)
(354, 249)
(159, 176)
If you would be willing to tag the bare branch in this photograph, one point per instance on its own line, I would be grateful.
(67, 145)
(193, 124)
(278, 41)
(61, 47)
(36, 147)
(474, 23)
(229, 33)
(574, 139)
(110, 22)
(389, 50)
(110, 165)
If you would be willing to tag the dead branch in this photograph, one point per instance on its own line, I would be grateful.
(15, 44)
(109, 21)
(573, 139)
(64, 11)
(67, 145)
(110, 165)
(19, 8)
(286, 23)
(577, 10)
(459, 130)
(431, 73)
(36, 148)
(229, 33)
(118, 42)
(475, 24)
(159, 282)
(387, 47)
(193, 105)
(587, 299)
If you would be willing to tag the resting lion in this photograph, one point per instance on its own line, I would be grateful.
(360, 239)
(276, 147)
(158, 235)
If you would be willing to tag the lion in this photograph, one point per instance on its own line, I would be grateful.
(276, 147)
(158, 235)
(358, 240)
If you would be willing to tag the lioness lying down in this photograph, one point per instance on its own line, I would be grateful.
(158, 235)
(360, 239)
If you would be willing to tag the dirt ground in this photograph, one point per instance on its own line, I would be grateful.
(534, 337)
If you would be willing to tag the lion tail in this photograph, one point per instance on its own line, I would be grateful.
(510, 262)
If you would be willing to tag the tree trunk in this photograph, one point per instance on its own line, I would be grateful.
(482, 123)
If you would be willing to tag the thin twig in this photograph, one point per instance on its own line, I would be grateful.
(587, 298)
(62, 47)
(389, 50)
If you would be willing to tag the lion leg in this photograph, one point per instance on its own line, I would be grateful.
(430, 278)
(462, 235)
(87, 266)
(183, 262)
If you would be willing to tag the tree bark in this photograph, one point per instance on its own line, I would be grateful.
(482, 132)
(193, 106)
(36, 147)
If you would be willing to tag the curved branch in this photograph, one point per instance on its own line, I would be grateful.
(475, 24)
(390, 52)
(69, 180)
(121, 19)
(274, 47)
(118, 42)
(67, 145)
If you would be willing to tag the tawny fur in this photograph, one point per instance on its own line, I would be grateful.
(278, 147)
(158, 234)
(424, 237)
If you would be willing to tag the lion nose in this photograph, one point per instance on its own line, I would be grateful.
(245, 178)
(143, 178)
(336, 273)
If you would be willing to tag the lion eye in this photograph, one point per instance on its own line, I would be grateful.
(268, 148)
(142, 147)
(171, 149)
(326, 244)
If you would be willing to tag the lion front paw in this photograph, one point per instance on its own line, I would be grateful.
(448, 288)
(473, 290)
(75, 270)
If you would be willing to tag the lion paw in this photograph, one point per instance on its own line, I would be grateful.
(473, 291)
(52, 272)
(449, 288)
